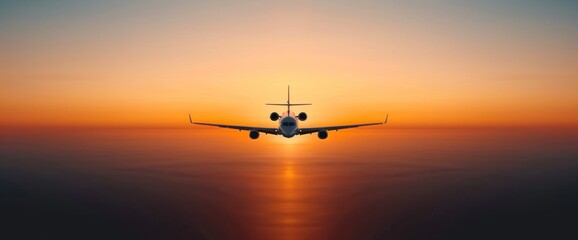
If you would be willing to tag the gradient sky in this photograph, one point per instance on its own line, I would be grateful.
(426, 63)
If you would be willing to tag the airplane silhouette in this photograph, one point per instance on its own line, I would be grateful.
(288, 123)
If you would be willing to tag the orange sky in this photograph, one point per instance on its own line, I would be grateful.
(151, 63)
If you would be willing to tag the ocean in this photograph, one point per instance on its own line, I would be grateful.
(372, 183)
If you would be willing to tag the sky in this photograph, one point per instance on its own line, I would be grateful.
(426, 63)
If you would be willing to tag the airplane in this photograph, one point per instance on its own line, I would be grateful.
(288, 123)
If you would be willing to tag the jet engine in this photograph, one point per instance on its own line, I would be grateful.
(274, 116)
(254, 134)
(322, 134)
(302, 116)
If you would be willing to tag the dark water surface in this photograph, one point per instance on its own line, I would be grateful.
(357, 184)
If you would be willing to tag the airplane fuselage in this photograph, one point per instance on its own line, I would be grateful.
(288, 124)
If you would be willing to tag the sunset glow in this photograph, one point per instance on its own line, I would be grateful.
(149, 63)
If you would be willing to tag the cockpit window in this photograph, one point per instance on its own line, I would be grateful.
(288, 124)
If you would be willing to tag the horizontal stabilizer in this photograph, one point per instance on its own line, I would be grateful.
(288, 104)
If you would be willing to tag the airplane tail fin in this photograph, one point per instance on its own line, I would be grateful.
(288, 104)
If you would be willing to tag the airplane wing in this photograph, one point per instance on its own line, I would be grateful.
(244, 128)
(331, 128)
